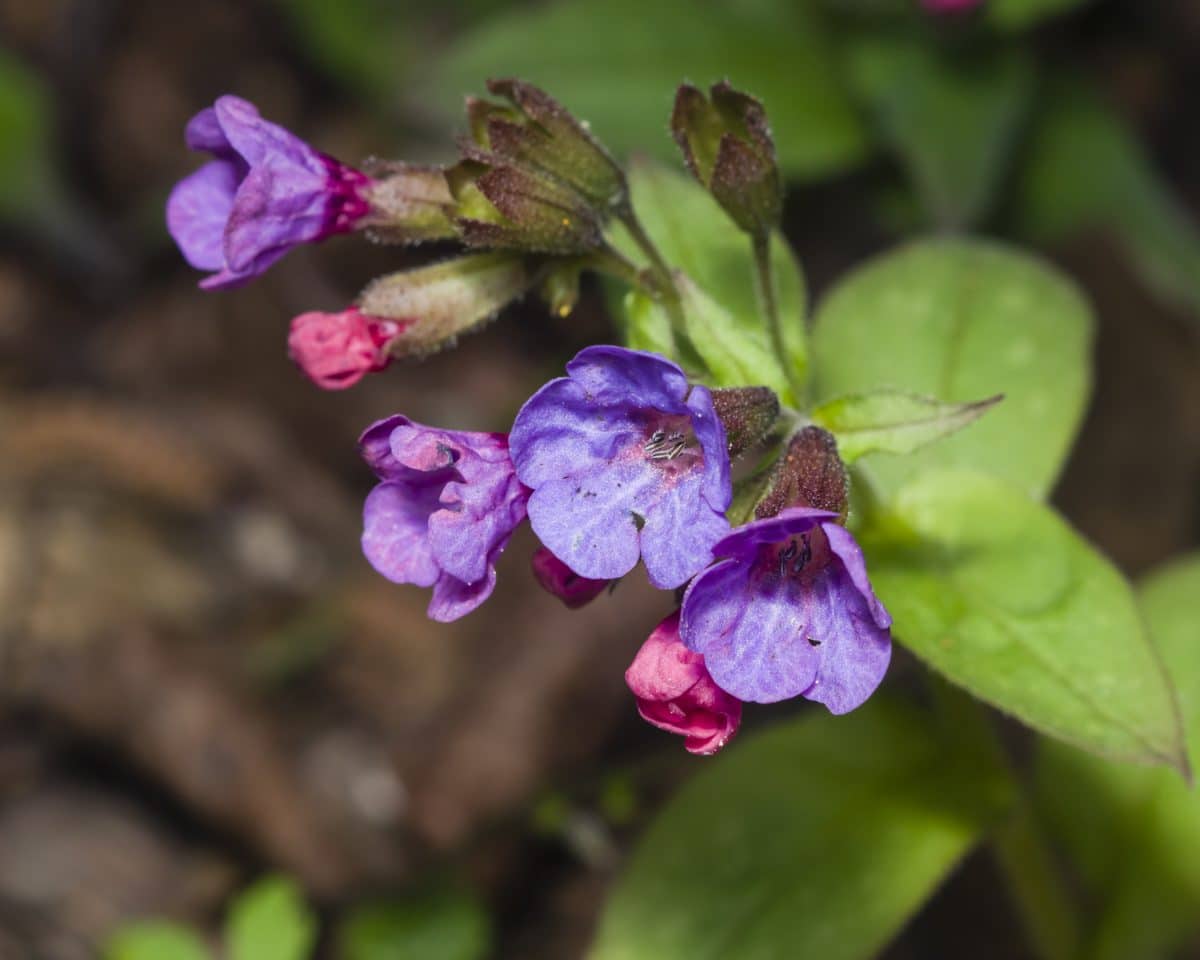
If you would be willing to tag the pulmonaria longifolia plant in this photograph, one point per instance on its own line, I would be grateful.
(721, 445)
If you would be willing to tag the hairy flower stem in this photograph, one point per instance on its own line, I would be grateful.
(661, 270)
(761, 242)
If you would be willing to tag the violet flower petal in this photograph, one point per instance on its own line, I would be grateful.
(197, 210)
(618, 376)
(589, 522)
(717, 489)
(680, 531)
(560, 431)
(453, 599)
(752, 632)
(846, 549)
(854, 651)
(395, 524)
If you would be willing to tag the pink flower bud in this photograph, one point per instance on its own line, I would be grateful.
(675, 693)
(559, 579)
(335, 350)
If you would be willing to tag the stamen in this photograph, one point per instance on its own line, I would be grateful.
(805, 554)
(785, 557)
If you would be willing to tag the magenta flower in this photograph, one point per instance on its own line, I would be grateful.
(790, 613)
(625, 459)
(447, 506)
(675, 693)
(336, 350)
(557, 578)
(264, 192)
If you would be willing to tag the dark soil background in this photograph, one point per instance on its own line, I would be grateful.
(200, 677)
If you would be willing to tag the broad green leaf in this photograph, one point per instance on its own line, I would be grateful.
(952, 119)
(997, 593)
(1135, 833)
(1018, 14)
(435, 926)
(1085, 168)
(725, 320)
(156, 940)
(270, 921)
(643, 325)
(617, 63)
(891, 422)
(818, 838)
(960, 320)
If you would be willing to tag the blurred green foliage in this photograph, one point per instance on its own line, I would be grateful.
(438, 925)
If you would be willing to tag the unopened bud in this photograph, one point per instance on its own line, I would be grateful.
(675, 692)
(542, 134)
(446, 299)
(560, 289)
(747, 414)
(728, 147)
(336, 350)
(810, 474)
(409, 204)
(510, 207)
(560, 580)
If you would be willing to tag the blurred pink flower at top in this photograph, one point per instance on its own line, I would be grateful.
(335, 350)
(950, 6)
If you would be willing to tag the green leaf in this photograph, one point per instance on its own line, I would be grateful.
(818, 838)
(952, 119)
(892, 422)
(1084, 168)
(1019, 14)
(436, 926)
(270, 921)
(959, 320)
(1135, 833)
(156, 940)
(616, 64)
(725, 323)
(997, 593)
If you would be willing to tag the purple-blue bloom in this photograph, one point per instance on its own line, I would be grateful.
(447, 506)
(625, 459)
(264, 192)
(790, 613)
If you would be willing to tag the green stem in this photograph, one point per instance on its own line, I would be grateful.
(664, 278)
(1050, 919)
(761, 242)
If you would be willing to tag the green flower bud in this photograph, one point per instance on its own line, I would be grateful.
(728, 147)
(511, 207)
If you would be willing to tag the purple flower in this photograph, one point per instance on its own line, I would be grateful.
(264, 192)
(625, 459)
(445, 511)
(790, 613)
(675, 693)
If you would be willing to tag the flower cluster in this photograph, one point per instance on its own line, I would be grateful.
(625, 460)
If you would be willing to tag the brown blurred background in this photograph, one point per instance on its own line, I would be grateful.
(200, 677)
